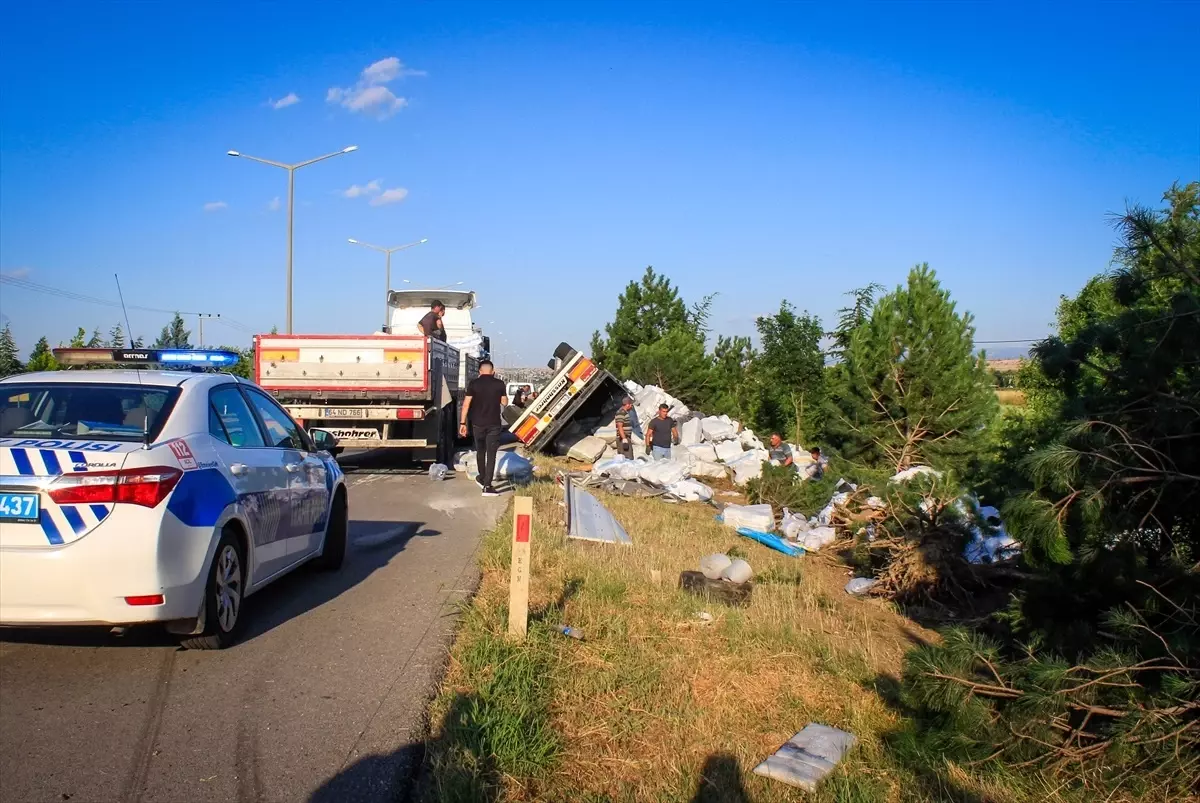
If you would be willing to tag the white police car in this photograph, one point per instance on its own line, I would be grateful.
(131, 496)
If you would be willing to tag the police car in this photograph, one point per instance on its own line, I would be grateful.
(130, 496)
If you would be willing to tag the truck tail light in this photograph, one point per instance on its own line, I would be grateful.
(410, 413)
(139, 486)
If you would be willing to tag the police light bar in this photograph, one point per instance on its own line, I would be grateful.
(191, 358)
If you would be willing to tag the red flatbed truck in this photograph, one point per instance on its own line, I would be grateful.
(370, 391)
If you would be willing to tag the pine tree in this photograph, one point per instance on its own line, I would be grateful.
(731, 384)
(137, 343)
(97, 340)
(42, 357)
(10, 362)
(852, 317)
(914, 392)
(646, 312)
(116, 337)
(790, 374)
(174, 335)
(80, 339)
(676, 363)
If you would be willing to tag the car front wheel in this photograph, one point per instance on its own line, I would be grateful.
(223, 597)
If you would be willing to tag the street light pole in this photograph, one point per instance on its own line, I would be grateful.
(388, 277)
(201, 316)
(292, 168)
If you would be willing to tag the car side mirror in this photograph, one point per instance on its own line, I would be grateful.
(324, 440)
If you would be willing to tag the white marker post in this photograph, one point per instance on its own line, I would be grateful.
(518, 588)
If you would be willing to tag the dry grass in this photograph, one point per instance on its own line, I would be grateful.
(1015, 398)
(654, 694)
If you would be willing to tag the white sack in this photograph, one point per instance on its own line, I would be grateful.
(728, 451)
(710, 470)
(703, 451)
(748, 466)
(608, 434)
(690, 432)
(793, 525)
(662, 473)
(756, 517)
(749, 440)
(681, 454)
(711, 566)
(690, 491)
(716, 430)
(908, 473)
(738, 571)
(609, 467)
(632, 388)
(817, 538)
(587, 450)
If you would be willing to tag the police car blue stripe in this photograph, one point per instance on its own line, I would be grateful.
(74, 519)
(77, 458)
(51, 461)
(24, 467)
(99, 511)
(49, 527)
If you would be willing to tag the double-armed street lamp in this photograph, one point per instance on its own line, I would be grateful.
(292, 168)
(388, 283)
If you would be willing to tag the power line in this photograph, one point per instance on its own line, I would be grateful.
(992, 342)
(25, 284)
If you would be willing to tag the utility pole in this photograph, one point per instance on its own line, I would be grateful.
(201, 316)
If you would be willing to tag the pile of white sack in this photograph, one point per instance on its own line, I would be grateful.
(709, 447)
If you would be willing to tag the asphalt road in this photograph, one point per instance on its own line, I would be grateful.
(322, 700)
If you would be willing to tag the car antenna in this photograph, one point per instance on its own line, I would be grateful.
(138, 371)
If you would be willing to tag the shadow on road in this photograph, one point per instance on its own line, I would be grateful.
(372, 546)
(456, 767)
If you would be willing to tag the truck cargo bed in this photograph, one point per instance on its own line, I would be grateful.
(377, 367)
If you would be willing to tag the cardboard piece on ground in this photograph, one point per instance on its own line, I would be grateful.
(805, 759)
(718, 590)
(518, 585)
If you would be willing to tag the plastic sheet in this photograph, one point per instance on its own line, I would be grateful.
(860, 585)
(805, 759)
(771, 540)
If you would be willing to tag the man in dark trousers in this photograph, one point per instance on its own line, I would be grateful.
(431, 324)
(486, 396)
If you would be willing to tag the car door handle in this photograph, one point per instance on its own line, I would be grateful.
(292, 467)
(237, 469)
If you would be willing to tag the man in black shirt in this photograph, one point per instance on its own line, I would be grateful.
(431, 324)
(661, 432)
(486, 395)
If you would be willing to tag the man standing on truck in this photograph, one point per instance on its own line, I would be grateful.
(431, 324)
(486, 395)
(662, 433)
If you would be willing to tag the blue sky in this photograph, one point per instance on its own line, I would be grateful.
(550, 151)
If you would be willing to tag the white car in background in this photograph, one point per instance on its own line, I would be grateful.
(132, 496)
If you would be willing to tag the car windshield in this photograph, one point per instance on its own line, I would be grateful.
(77, 410)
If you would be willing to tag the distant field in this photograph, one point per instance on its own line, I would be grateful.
(1015, 398)
(1005, 366)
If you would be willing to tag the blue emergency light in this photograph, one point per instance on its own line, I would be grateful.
(186, 358)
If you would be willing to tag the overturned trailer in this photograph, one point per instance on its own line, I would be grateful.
(579, 390)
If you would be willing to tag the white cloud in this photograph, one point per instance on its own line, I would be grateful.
(215, 206)
(16, 273)
(290, 99)
(370, 95)
(274, 204)
(359, 190)
(393, 196)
